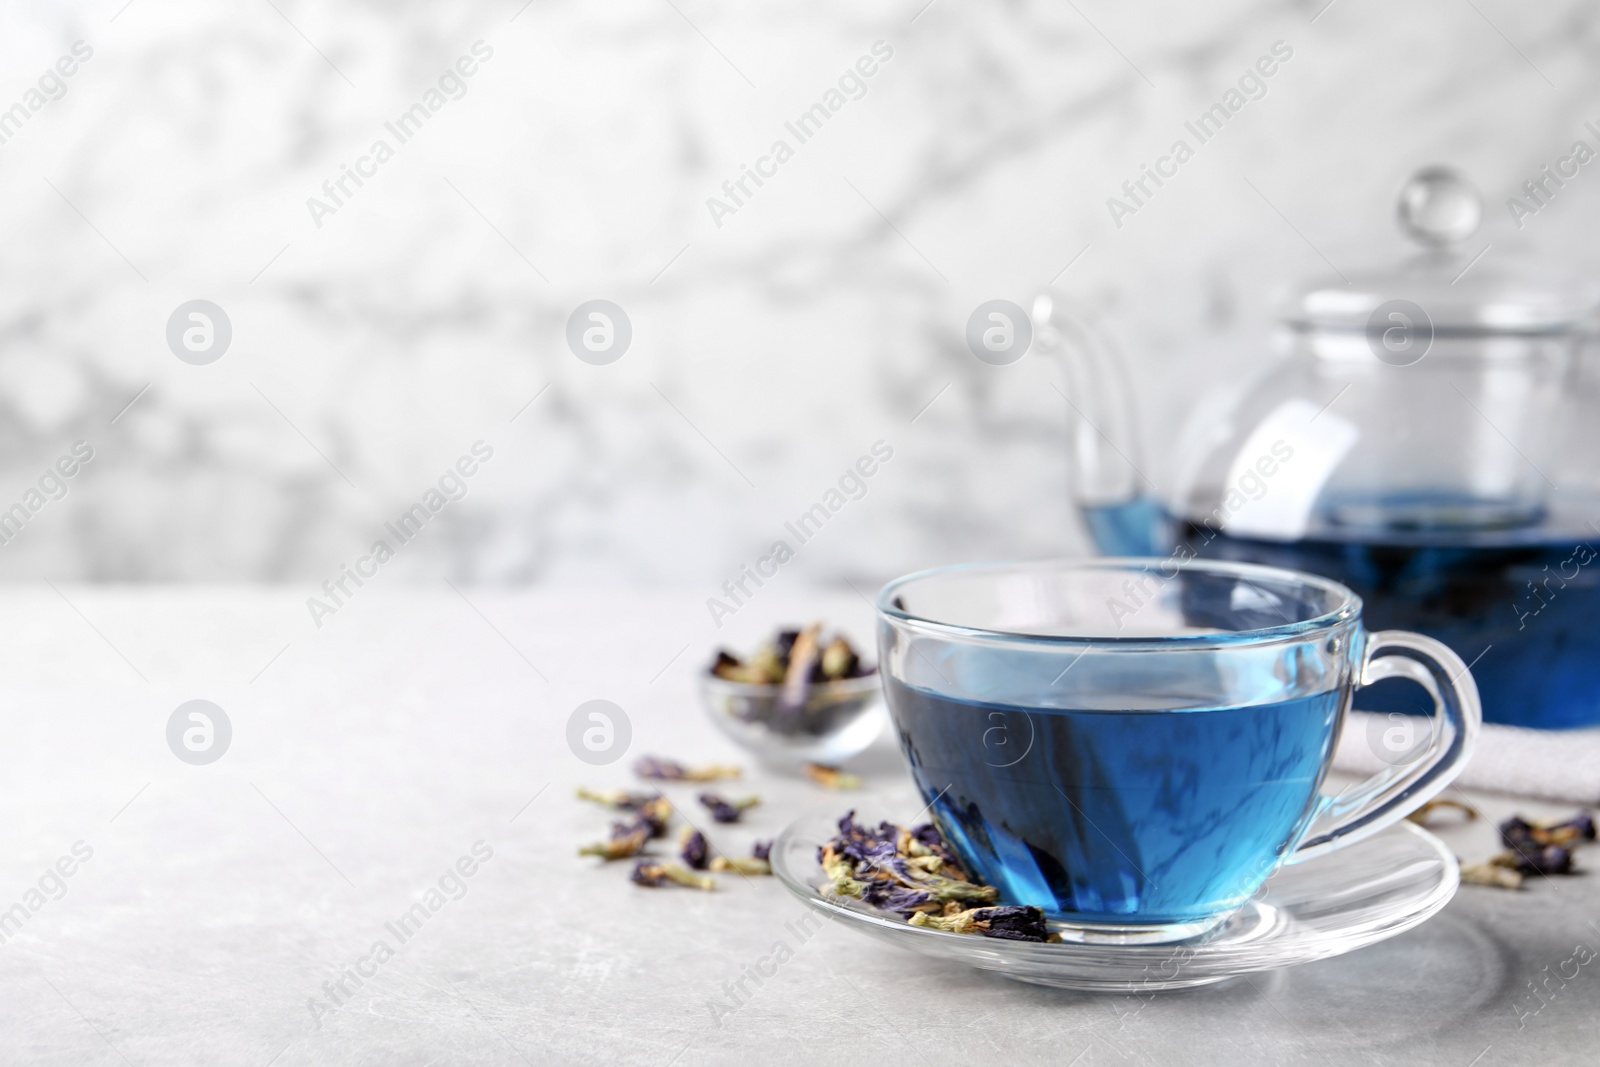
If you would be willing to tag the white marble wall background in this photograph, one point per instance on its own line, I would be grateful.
(790, 339)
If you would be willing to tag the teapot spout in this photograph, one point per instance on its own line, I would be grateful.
(1117, 502)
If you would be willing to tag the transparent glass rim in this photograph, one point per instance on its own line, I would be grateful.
(1347, 607)
(864, 683)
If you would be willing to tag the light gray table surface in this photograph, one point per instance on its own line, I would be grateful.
(369, 755)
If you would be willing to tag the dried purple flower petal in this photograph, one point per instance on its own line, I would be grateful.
(890, 868)
(693, 848)
(1013, 922)
(651, 873)
(1536, 859)
(761, 850)
(891, 897)
(1552, 859)
(725, 810)
(657, 813)
(672, 771)
(1529, 839)
(1516, 833)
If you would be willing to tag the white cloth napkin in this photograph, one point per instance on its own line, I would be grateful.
(1557, 765)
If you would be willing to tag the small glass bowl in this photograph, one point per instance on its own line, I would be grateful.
(839, 720)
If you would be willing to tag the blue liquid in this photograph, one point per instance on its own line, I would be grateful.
(1119, 817)
(1528, 596)
(1134, 528)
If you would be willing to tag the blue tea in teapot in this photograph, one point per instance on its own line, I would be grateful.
(1430, 441)
(1521, 606)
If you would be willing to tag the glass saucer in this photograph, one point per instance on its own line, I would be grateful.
(1324, 907)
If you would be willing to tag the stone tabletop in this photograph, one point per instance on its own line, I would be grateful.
(261, 908)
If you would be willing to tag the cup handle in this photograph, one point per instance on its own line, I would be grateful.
(1392, 794)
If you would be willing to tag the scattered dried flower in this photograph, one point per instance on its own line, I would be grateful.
(1014, 922)
(671, 771)
(830, 777)
(1543, 847)
(726, 810)
(651, 873)
(898, 870)
(1550, 859)
(627, 839)
(656, 813)
(1422, 815)
(1583, 823)
(1490, 875)
(1576, 830)
(741, 865)
(693, 848)
(620, 799)
(761, 850)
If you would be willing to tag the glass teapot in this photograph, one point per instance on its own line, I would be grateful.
(1428, 438)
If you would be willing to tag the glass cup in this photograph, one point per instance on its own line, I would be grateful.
(1135, 745)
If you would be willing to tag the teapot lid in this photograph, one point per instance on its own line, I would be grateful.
(1462, 291)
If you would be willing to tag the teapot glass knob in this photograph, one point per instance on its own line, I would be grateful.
(1439, 208)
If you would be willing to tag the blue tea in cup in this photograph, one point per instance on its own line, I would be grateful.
(1135, 745)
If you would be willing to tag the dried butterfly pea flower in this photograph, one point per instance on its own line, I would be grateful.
(1516, 832)
(830, 777)
(656, 813)
(1576, 830)
(803, 660)
(693, 848)
(725, 810)
(839, 660)
(672, 771)
(893, 897)
(627, 839)
(763, 669)
(621, 799)
(1013, 922)
(866, 844)
(741, 865)
(1583, 823)
(1546, 859)
(1421, 815)
(651, 873)
(868, 863)
(1545, 847)
(841, 871)
(797, 657)
(761, 850)
(1490, 875)
(770, 663)
(927, 840)
(942, 887)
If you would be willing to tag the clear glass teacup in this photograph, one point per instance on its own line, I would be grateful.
(1135, 745)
